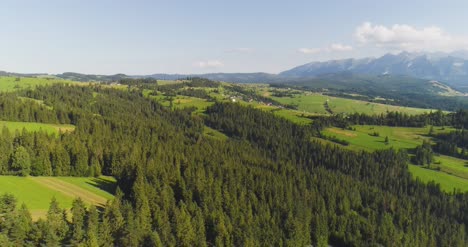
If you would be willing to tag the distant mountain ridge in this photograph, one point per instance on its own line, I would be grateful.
(433, 66)
(258, 77)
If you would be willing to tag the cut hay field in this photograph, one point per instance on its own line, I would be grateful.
(451, 173)
(36, 127)
(36, 192)
(314, 103)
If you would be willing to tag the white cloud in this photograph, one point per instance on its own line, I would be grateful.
(309, 50)
(406, 37)
(331, 48)
(209, 64)
(340, 47)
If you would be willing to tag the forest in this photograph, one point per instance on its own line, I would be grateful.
(268, 184)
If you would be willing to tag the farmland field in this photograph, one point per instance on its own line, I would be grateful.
(34, 127)
(450, 172)
(447, 182)
(103, 186)
(292, 115)
(399, 137)
(314, 103)
(36, 192)
(9, 84)
(179, 102)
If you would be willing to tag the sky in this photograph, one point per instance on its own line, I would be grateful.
(140, 37)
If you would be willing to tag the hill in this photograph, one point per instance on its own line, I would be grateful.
(228, 77)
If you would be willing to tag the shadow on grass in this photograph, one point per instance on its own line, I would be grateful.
(104, 184)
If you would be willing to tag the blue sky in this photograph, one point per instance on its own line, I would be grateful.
(144, 37)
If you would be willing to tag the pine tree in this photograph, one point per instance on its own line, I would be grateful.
(21, 227)
(113, 215)
(105, 231)
(21, 162)
(78, 211)
(184, 230)
(92, 227)
(142, 208)
(56, 224)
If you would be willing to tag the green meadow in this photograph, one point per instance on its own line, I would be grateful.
(9, 83)
(180, 102)
(37, 192)
(315, 103)
(361, 137)
(35, 127)
(451, 173)
(448, 182)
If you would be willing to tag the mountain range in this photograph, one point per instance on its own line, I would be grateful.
(446, 68)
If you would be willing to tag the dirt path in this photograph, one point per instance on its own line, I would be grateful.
(70, 190)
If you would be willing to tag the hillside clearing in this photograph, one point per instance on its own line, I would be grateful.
(36, 192)
(315, 103)
(10, 84)
(36, 127)
(451, 173)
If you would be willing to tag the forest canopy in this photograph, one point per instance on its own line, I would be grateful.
(268, 184)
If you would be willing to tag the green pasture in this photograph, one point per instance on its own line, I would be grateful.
(448, 171)
(36, 127)
(314, 103)
(9, 83)
(37, 192)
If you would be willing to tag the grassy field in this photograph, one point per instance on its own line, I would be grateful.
(9, 84)
(399, 137)
(448, 182)
(35, 127)
(103, 186)
(314, 103)
(180, 101)
(450, 172)
(36, 192)
(292, 115)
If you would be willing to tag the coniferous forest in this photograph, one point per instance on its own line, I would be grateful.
(269, 184)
